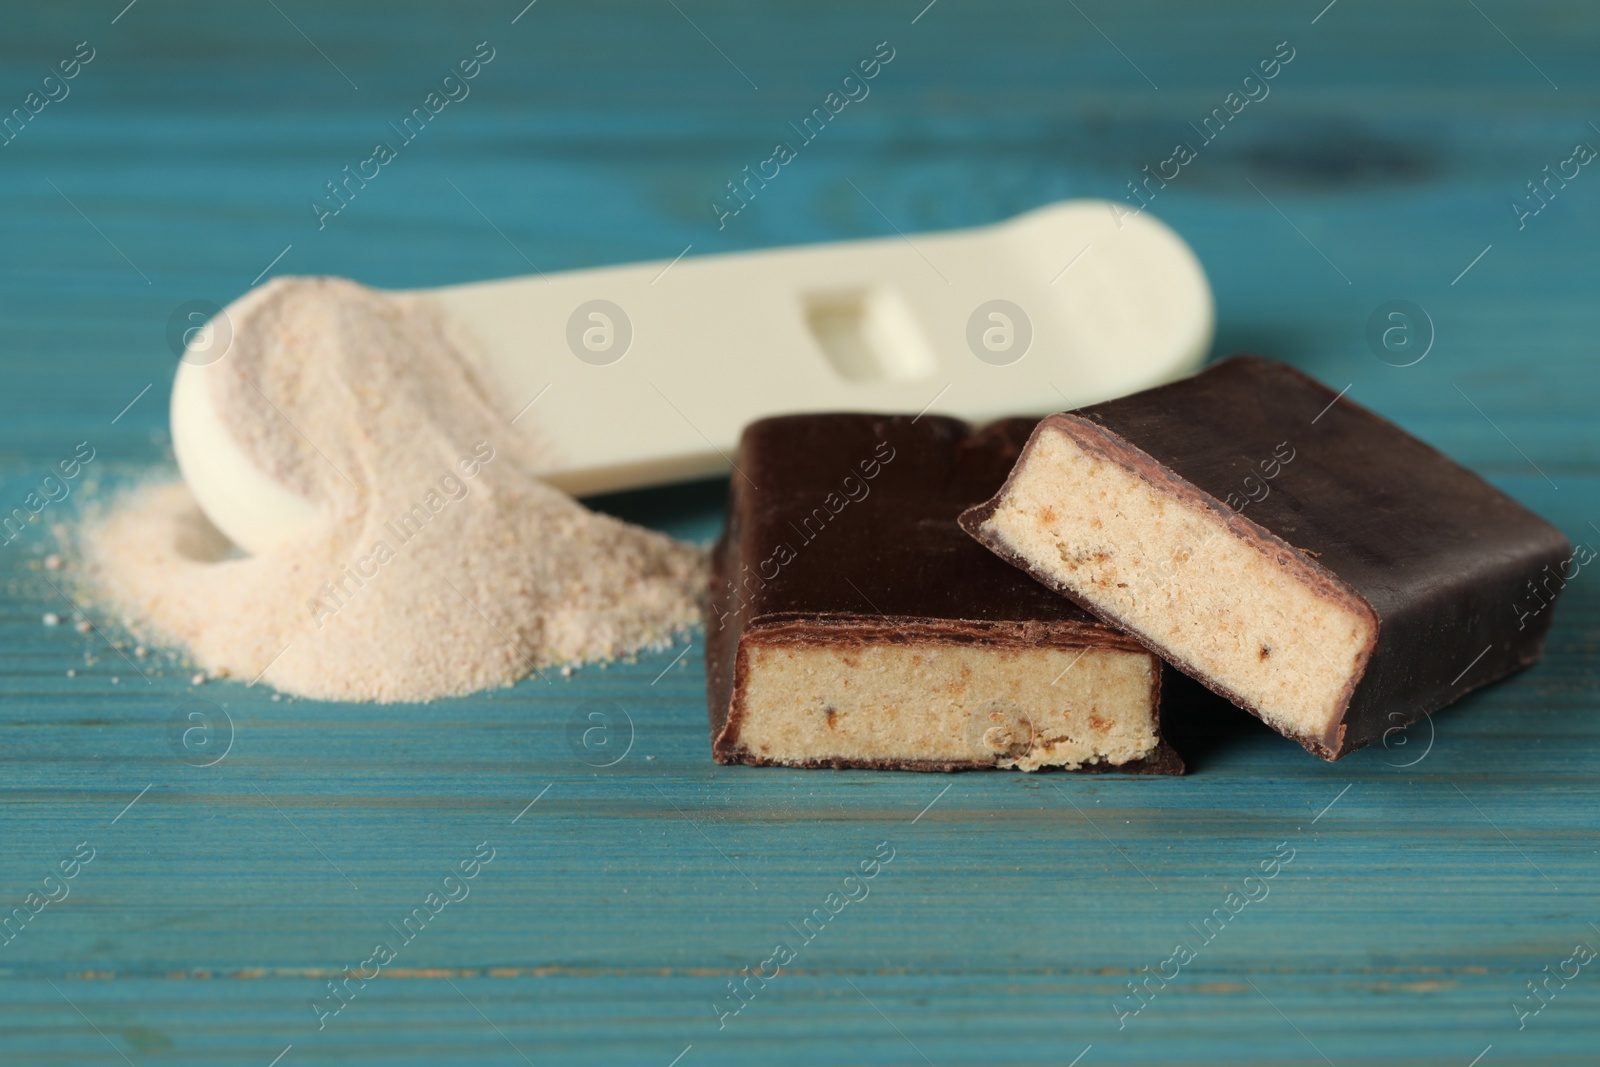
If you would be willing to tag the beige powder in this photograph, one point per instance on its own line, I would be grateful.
(444, 565)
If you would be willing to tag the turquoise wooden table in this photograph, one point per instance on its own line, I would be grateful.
(1419, 887)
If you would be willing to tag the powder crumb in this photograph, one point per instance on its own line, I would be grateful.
(82, 626)
(566, 670)
(198, 679)
(115, 680)
(52, 562)
(140, 651)
(52, 619)
(71, 673)
(442, 564)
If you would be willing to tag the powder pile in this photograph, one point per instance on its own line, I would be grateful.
(443, 564)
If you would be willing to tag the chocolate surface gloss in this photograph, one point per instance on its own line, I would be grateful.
(842, 534)
(1431, 562)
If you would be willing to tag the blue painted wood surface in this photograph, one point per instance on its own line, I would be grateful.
(616, 909)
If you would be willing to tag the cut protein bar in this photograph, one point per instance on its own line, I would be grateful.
(853, 624)
(1292, 551)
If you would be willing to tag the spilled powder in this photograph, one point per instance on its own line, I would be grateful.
(444, 565)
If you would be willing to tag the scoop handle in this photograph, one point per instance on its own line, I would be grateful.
(645, 374)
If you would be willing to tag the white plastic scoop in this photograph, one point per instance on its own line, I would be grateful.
(645, 374)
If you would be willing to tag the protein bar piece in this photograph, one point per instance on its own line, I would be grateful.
(853, 624)
(1292, 551)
